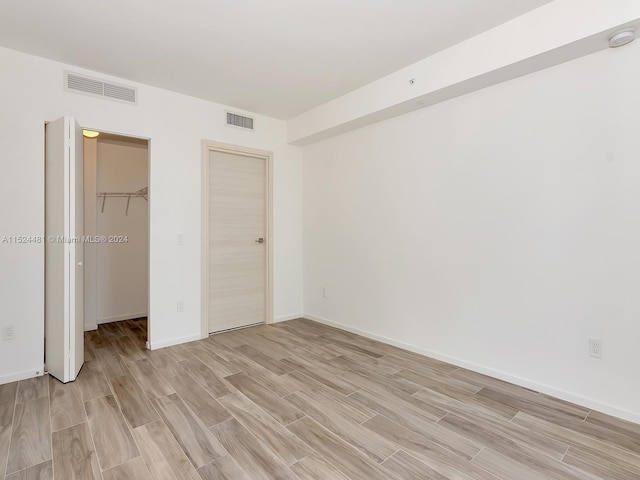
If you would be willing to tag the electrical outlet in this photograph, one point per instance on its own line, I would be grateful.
(9, 332)
(324, 292)
(595, 347)
(180, 239)
(180, 306)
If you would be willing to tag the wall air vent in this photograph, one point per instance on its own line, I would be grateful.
(77, 83)
(240, 121)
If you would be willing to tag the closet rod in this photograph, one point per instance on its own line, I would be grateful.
(143, 192)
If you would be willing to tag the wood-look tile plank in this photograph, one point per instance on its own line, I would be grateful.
(98, 340)
(455, 442)
(67, 407)
(411, 419)
(112, 364)
(228, 339)
(396, 398)
(281, 385)
(224, 468)
(251, 455)
(264, 345)
(266, 399)
(472, 401)
(221, 349)
(149, 379)
(179, 352)
(7, 407)
(505, 445)
(73, 454)
(613, 437)
(629, 429)
(205, 353)
(285, 338)
(88, 351)
(165, 362)
(484, 381)
(263, 426)
(134, 404)
(506, 430)
(351, 360)
(162, 453)
(127, 348)
(139, 333)
(92, 382)
(8, 393)
(352, 346)
(410, 468)
(194, 438)
(113, 441)
(30, 435)
(314, 467)
(42, 471)
(429, 379)
(206, 377)
(345, 405)
(206, 408)
(134, 469)
(396, 382)
(590, 445)
(437, 457)
(266, 361)
(111, 330)
(417, 363)
(321, 375)
(341, 455)
(32, 389)
(5, 440)
(540, 406)
(368, 443)
(505, 467)
(460, 407)
(598, 464)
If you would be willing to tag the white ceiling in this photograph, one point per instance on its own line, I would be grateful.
(275, 57)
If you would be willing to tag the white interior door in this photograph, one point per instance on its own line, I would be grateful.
(64, 324)
(237, 243)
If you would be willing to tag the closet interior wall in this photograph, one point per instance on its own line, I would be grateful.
(116, 266)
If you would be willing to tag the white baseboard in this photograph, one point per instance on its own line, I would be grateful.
(15, 377)
(88, 328)
(284, 318)
(173, 341)
(119, 318)
(523, 382)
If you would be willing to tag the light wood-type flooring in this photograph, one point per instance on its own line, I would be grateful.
(296, 400)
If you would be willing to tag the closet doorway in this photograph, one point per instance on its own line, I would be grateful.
(116, 216)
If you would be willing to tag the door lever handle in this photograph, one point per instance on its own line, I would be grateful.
(259, 240)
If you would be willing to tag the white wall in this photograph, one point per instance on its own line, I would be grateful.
(499, 230)
(122, 280)
(31, 92)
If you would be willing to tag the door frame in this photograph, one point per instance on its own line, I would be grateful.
(93, 232)
(209, 146)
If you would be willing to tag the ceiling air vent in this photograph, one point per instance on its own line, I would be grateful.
(241, 121)
(74, 82)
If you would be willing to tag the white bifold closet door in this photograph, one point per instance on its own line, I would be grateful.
(64, 320)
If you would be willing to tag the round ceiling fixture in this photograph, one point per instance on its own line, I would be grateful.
(623, 37)
(90, 133)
